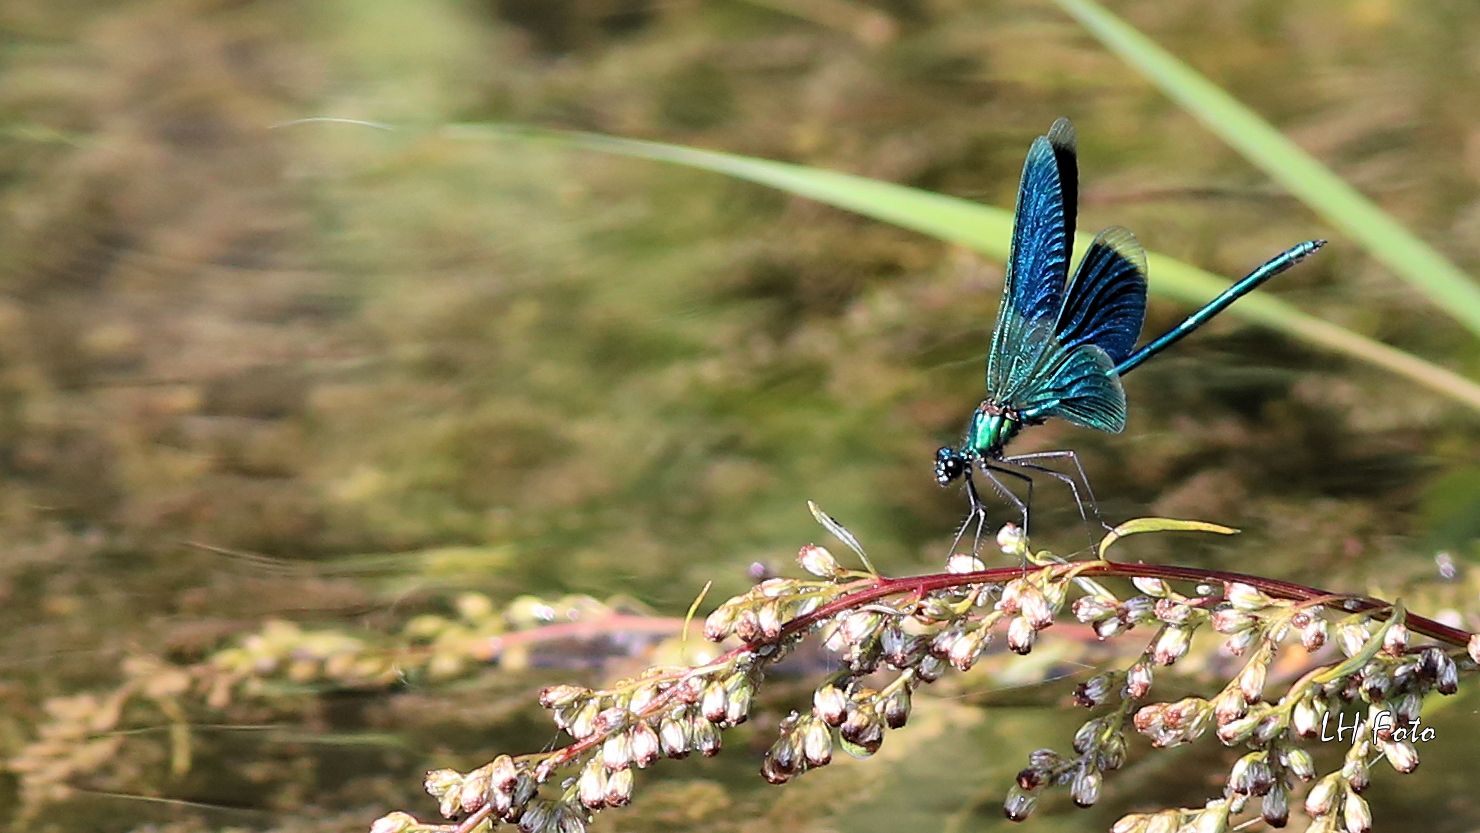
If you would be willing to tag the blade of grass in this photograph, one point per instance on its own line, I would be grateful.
(987, 230)
(1317, 186)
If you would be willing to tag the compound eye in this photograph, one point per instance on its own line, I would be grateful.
(948, 466)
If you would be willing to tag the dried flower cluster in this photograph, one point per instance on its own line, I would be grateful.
(891, 636)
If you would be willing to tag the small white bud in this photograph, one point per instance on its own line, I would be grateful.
(819, 562)
(1012, 541)
(1246, 597)
(964, 562)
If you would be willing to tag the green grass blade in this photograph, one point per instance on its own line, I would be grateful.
(988, 230)
(1324, 192)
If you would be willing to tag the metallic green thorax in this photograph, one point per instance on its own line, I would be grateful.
(992, 427)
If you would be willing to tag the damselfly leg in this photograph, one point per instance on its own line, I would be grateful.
(991, 470)
(977, 512)
(1028, 461)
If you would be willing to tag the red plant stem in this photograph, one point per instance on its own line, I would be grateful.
(884, 587)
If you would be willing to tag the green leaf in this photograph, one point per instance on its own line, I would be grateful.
(1317, 186)
(1142, 525)
(987, 230)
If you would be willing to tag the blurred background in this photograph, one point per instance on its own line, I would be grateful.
(340, 375)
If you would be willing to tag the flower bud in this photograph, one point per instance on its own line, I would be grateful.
(616, 751)
(537, 817)
(1020, 635)
(1300, 763)
(1231, 620)
(1171, 645)
(1138, 680)
(1395, 639)
(397, 822)
(1306, 716)
(619, 788)
(568, 819)
(1229, 706)
(901, 650)
(967, 648)
(673, 737)
(896, 708)
(830, 704)
(1085, 790)
(1321, 799)
(1095, 691)
(706, 738)
(1131, 823)
(591, 786)
(1313, 635)
(817, 743)
(1212, 819)
(1401, 754)
(1154, 587)
(863, 729)
(930, 669)
(1018, 804)
(1246, 597)
(1276, 807)
(1473, 648)
(1036, 608)
(1012, 541)
(1356, 814)
(1351, 637)
(1109, 626)
(819, 562)
(473, 793)
(646, 747)
(1093, 608)
(558, 696)
(784, 755)
(964, 562)
(1251, 679)
(721, 623)
(716, 702)
(860, 625)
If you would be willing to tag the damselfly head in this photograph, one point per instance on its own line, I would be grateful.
(949, 465)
